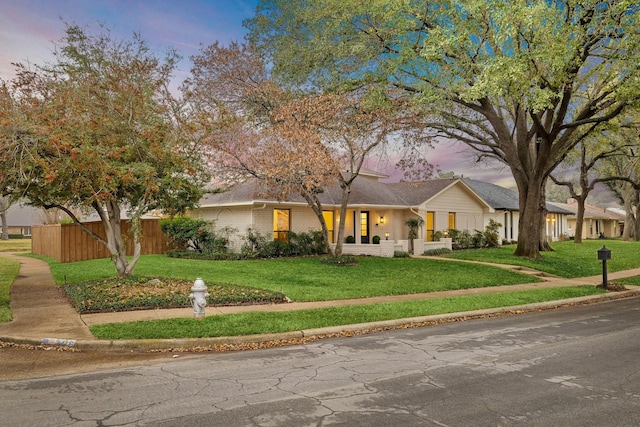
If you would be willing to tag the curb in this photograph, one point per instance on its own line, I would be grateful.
(190, 343)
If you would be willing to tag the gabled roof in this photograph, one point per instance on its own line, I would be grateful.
(593, 212)
(504, 199)
(365, 191)
(499, 198)
(23, 215)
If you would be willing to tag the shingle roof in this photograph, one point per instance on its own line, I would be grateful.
(501, 198)
(415, 193)
(592, 212)
(364, 191)
(369, 191)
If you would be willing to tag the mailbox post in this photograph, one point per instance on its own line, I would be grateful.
(604, 254)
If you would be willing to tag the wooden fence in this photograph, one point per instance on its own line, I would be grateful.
(69, 243)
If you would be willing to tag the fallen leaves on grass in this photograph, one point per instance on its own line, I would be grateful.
(145, 293)
(613, 287)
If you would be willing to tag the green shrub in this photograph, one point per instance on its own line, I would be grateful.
(257, 245)
(195, 234)
(461, 239)
(376, 240)
(401, 254)
(216, 256)
(437, 251)
(350, 239)
(491, 235)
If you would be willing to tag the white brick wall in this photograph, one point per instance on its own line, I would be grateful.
(384, 249)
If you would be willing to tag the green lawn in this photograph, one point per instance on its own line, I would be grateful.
(15, 245)
(307, 279)
(269, 322)
(567, 260)
(8, 272)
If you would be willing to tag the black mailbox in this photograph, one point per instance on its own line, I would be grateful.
(604, 253)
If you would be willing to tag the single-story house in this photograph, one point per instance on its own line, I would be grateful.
(506, 204)
(375, 208)
(596, 221)
(21, 217)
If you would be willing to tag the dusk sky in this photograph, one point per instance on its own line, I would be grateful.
(29, 29)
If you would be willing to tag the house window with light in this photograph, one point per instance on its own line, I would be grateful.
(281, 224)
(452, 221)
(429, 226)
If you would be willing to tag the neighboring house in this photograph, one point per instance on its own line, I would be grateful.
(596, 221)
(375, 209)
(21, 217)
(507, 211)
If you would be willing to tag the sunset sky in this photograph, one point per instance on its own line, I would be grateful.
(29, 29)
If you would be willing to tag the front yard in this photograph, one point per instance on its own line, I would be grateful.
(307, 279)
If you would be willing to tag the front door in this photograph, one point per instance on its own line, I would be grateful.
(364, 227)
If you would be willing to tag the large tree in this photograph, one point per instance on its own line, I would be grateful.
(234, 101)
(520, 81)
(582, 164)
(294, 141)
(625, 174)
(98, 129)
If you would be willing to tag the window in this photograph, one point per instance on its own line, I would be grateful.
(452, 220)
(364, 227)
(328, 219)
(506, 225)
(281, 224)
(429, 226)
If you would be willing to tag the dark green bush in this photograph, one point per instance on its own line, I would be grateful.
(376, 240)
(437, 251)
(216, 256)
(195, 234)
(257, 245)
(401, 254)
(350, 239)
(491, 234)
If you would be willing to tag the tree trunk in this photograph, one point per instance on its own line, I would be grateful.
(115, 243)
(316, 207)
(346, 189)
(5, 226)
(136, 233)
(530, 223)
(577, 238)
(4, 207)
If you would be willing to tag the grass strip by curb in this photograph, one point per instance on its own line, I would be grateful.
(8, 272)
(250, 323)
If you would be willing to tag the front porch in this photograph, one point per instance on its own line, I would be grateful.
(386, 248)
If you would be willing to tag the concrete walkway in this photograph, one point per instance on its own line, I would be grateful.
(43, 314)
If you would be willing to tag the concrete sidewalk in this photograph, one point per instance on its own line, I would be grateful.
(43, 314)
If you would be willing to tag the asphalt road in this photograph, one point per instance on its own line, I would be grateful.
(575, 366)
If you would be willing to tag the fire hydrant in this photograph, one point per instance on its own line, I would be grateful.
(198, 297)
